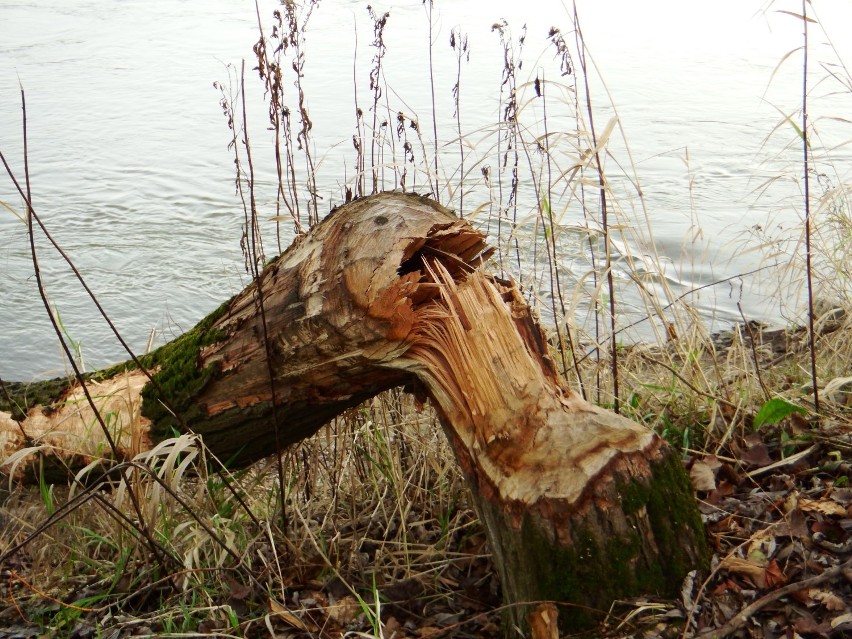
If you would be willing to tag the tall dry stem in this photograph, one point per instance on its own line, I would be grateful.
(379, 23)
(805, 165)
(581, 49)
(459, 44)
(508, 143)
(436, 190)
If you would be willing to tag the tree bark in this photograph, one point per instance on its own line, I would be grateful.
(581, 506)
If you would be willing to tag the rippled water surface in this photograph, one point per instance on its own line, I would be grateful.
(131, 172)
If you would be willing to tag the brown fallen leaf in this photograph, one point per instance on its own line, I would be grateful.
(736, 565)
(756, 455)
(809, 626)
(842, 496)
(724, 489)
(280, 611)
(723, 587)
(828, 599)
(822, 506)
(794, 525)
(237, 591)
(774, 575)
(391, 627)
(208, 626)
(702, 476)
(345, 610)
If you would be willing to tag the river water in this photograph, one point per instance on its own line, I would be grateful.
(131, 171)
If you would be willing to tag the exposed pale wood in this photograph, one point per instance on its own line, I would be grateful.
(70, 428)
(527, 435)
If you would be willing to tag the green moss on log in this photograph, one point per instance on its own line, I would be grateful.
(179, 378)
(601, 565)
(19, 397)
(673, 514)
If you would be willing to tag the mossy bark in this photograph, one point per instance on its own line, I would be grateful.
(603, 551)
(17, 398)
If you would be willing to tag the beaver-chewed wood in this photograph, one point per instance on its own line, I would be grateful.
(581, 506)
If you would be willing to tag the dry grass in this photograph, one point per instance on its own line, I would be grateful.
(381, 536)
(374, 504)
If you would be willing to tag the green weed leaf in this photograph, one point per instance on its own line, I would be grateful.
(775, 410)
(796, 127)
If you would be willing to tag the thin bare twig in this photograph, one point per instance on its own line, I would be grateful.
(805, 159)
(156, 549)
(753, 351)
(745, 614)
(256, 260)
(604, 215)
(436, 190)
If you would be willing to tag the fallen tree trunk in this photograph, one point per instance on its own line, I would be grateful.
(338, 304)
(581, 506)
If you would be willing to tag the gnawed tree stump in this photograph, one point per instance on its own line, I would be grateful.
(581, 506)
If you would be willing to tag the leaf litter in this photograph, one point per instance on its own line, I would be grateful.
(383, 543)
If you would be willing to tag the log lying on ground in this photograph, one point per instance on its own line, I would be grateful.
(338, 305)
(581, 506)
